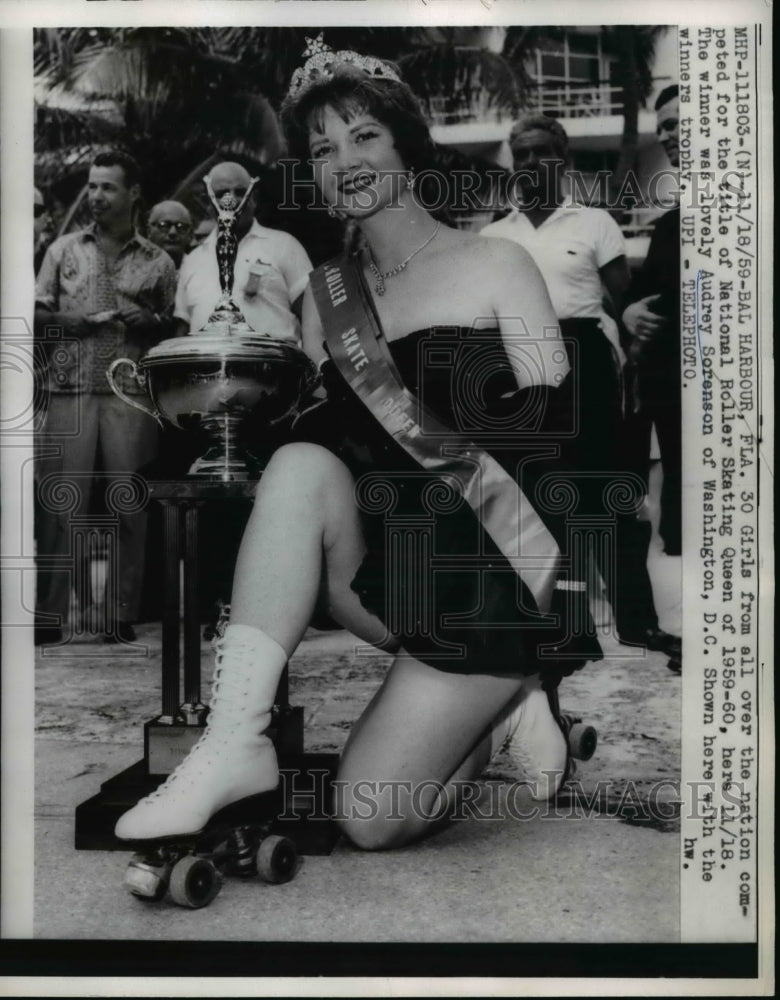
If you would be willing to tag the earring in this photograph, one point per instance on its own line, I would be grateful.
(410, 178)
(334, 213)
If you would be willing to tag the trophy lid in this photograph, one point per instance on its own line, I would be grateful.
(244, 346)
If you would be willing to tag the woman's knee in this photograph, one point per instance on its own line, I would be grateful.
(300, 467)
(386, 814)
(302, 457)
(377, 831)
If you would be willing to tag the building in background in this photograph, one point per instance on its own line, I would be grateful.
(573, 74)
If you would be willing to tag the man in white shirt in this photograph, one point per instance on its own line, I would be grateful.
(579, 250)
(271, 270)
(581, 254)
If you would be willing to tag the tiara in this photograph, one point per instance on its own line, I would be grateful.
(322, 64)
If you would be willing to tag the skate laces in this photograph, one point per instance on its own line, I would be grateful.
(234, 666)
(519, 747)
(529, 745)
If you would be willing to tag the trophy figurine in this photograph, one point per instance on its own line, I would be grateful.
(228, 209)
(220, 377)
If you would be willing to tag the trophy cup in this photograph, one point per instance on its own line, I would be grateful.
(217, 378)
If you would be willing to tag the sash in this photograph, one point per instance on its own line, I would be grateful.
(359, 350)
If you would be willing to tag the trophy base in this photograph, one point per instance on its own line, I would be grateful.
(227, 318)
(226, 326)
(167, 743)
(224, 461)
(224, 469)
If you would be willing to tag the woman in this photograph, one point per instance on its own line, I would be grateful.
(388, 471)
(581, 254)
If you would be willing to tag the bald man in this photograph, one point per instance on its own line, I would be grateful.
(170, 227)
(271, 271)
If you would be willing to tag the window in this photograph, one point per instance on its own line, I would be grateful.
(573, 77)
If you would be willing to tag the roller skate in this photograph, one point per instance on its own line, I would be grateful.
(540, 740)
(191, 870)
(193, 827)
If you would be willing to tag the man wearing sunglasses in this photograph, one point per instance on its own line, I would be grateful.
(170, 227)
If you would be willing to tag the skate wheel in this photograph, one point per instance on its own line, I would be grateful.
(276, 859)
(194, 882)
(582, 741)
(146, 881)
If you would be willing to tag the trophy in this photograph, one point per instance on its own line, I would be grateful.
(228, 210)
(218, 378)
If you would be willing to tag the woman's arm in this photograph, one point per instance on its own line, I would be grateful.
(528, 325)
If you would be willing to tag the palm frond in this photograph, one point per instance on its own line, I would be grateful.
(634, 46)
(459, 83)
(59, 127)
(55, 49)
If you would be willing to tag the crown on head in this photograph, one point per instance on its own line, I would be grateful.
(322, 64)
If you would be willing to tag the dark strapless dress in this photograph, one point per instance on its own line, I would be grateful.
(432, 573)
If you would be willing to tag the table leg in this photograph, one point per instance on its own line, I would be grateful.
(191, 615)
(170, 624)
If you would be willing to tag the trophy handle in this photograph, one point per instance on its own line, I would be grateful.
(311, 376)
(140, 379)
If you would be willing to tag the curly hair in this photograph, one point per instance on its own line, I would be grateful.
(351, 92)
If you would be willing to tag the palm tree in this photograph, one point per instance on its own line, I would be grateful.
(169, 96)
(459, 83)
(634, 46)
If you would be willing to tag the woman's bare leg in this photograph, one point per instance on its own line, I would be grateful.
(424, 729)
(304, 527)
(424, 726)
(302, 538)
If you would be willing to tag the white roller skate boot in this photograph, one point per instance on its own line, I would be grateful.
(531, 736)
(233, 758)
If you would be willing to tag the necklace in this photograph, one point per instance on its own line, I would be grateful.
(382, 276)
